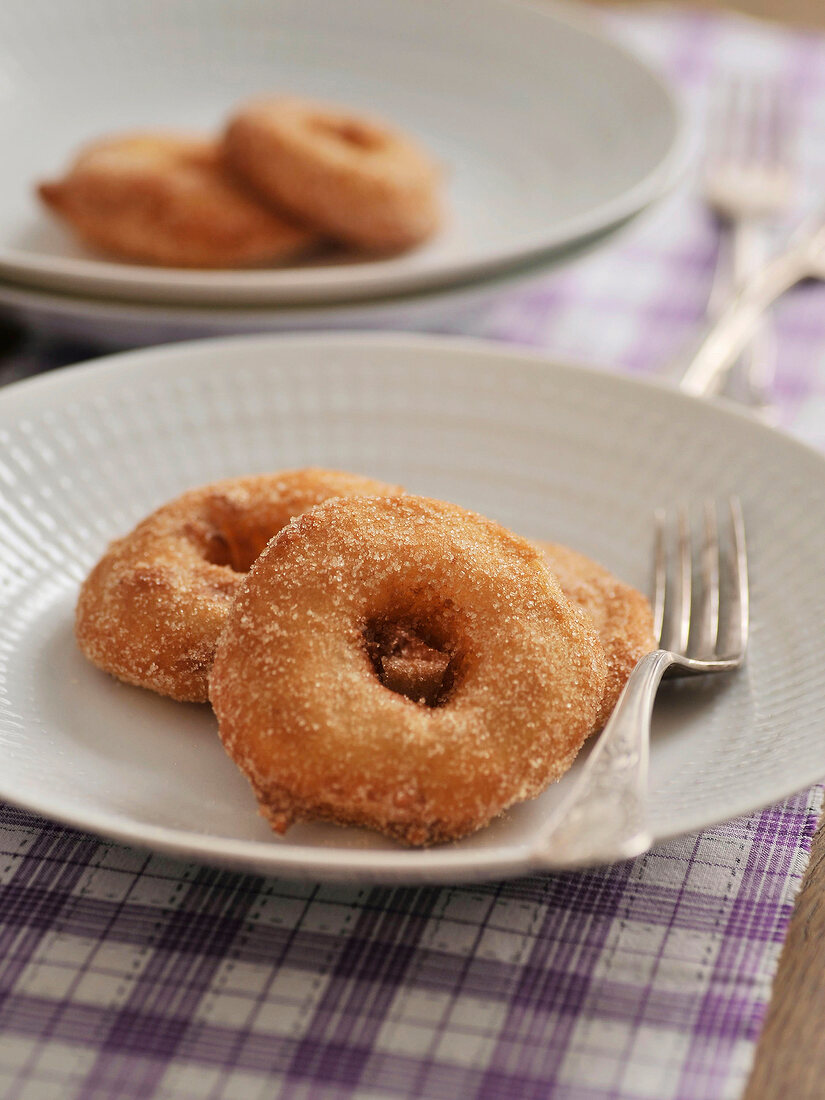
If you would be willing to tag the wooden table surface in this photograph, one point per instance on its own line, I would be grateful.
(790, 1056)
(803, 13)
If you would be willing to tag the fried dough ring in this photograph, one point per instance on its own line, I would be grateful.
(352, 178)
(169, 199)
(301, 705)
(151, 610)
(621, 615)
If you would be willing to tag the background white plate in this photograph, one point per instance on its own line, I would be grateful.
(547, 130)
(113, 324)
(551, 451)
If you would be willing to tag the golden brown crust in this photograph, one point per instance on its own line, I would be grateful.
(621, 615)
(169, 199)
(352, 178)
(303, 712)
(151, 610)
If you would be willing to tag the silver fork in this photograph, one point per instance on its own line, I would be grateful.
(803, 257)
(747, 182)
(603, 818)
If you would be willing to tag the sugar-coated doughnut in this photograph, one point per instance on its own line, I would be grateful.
(169, 199)
(357, 600)
(151, 610)
(352, 178)
(621, 615)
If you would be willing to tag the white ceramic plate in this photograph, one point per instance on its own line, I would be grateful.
(549, 450)
(547, 130)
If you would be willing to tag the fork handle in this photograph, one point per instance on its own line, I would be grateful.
(753, 373)
(728, 336)
(603, 818)
(755, 370)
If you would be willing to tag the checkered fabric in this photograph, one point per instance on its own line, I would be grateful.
(636, 305)
(127, 975)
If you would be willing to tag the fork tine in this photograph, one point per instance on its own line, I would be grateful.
(738, 624)
(760, 114)
(747, 120)
(676, 625)
(779, 128)
(759, 120)
(721, 125)
(705, 628)
(737, 131)
(750, 121)
(685, 578)
(659, 574)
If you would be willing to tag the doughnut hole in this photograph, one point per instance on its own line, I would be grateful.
(235, 548)
(410, 661)
(356, 181)
(348, 131)
(231, 534)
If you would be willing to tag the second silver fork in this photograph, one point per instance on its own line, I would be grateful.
(747, 183)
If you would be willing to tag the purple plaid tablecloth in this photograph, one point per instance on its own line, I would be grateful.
(127, 975)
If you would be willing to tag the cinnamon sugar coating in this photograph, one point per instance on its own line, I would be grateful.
(151, 610)
(169, 199)
(621, 615)
(352, 178)
(301, 704)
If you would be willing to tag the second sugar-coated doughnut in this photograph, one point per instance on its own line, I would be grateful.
(169, 199)
(356, 602)
(151, 610)
(621, 615)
